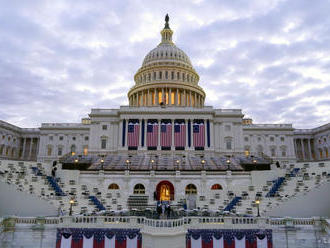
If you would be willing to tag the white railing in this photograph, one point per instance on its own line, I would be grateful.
(166, 225)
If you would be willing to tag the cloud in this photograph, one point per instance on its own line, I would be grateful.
(269, 58)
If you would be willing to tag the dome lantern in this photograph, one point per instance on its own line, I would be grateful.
(166, 32)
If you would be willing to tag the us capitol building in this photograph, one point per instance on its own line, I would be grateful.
(166, 146)
(166, 91)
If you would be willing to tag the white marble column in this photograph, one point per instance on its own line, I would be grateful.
(24, 145)
(170, 96)
(177, 98)
(190, 100)
(148, 98)
(195, 102)
(184, 98)
(156, 96)
(302, 149)
(309, 149)
(126, 134)
(30, 151)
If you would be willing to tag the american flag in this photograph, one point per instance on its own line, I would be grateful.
(133, 134)
(152, 134)
(199, 134)
(166, 135)
(179, 135)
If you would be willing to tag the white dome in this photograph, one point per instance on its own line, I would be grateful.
(166, 52)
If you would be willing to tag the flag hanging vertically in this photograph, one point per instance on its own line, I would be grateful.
(152, 134)
(179, 134)
(166, 135)
(199, 134)
(133, 134)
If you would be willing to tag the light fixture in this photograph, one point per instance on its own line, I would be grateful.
(258, 203)
(203, 161)
(102, 161)
(71, 203)
(152, 161)
(254, 161)
(177, 161)
(76, 160)
(228, 161)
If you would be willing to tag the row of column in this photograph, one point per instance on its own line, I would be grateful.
(188, 139)
(169, 96)
(308, 154)
(27, 152)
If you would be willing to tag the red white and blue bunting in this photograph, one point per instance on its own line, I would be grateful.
(98, 238)
(229, 238)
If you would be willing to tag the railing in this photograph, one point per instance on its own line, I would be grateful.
(167, 225)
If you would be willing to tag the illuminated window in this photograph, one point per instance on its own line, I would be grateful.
(160, 99)
(139, 189)
(73, 150)
(191, 189)
(85, 150)
(153, 98)
(113, 186)
(172, 97)
(216, 187)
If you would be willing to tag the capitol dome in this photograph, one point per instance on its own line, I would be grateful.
(166, 77)
(167, 52)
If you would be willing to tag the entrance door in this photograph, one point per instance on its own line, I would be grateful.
(165, 191)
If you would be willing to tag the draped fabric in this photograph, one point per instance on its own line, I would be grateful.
(262, 243)
(240, 243)
(196, 243)
(88, 242)
(218, 243)
(229, 238)
(98, 238)
(110, 243)
(66, 242)
(131, 243)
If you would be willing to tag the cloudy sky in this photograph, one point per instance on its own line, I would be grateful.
(59, 59)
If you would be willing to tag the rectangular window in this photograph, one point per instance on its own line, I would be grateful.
(103, 144)
(61, 138)
(172, 75)
(59, 152)
(160, 75)
(50, 137)
(154, 77)
(228, 144)
(104, 127)
(49, 151)
(166, 75)
(86, 138)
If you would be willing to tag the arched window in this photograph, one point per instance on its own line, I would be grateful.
(191, 189)
(216, 187)
(139, 189)
(113, 186)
